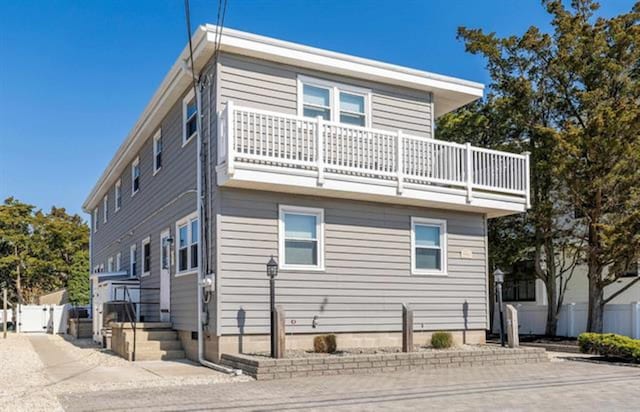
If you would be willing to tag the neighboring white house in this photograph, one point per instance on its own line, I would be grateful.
(528, 295)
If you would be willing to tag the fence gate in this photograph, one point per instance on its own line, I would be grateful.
(33, 318)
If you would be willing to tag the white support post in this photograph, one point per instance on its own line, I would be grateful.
(230, 139)
(527, 178)
(469, 172)
(635, 320)
(400, 162)
(320, 151)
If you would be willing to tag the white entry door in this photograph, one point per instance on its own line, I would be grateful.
(165, 276)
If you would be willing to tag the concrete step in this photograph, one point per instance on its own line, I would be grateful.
(155, 345)
(145, 325)
(151, 335)
(159, 355)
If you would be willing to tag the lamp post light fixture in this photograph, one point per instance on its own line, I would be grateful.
(272, 272)
(498, 279)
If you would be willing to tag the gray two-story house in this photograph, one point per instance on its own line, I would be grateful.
(325, 161)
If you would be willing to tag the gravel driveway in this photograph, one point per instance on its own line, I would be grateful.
(38, 369)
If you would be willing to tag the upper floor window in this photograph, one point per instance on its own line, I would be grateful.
(119, 262)
(110, 264)
(95, 220)
(146, 256)
(333, 101)
(105, 208)
(135, 176)
(301, 238)
(157, 151)
(189, 117)
(428, 246)
(118, 193)
(188, 240)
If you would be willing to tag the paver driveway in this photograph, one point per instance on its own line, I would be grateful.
(555, 386)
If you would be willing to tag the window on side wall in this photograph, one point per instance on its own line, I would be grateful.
(110, 264)
(188, 242)
(146, 256)
(428, 246)
(133, 261)
(189, 117)
(334, 101)
(520, 283)
(301, 232)
(118, 262)
(118, 193)
(135, 176)
(95, 220)
(157, 151)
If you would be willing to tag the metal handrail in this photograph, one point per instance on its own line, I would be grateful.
(132, 320)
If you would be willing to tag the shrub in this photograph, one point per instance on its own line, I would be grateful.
(610, 344)
(441, 340)
(325, 344)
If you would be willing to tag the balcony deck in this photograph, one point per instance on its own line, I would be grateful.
(265, 150)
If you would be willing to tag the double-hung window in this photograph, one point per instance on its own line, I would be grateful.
(110, 264)
(301, 232)
(333, 101)
(135, 176)
(146, 256)
(133, 261)
(95, 220)
(428, 246)
(118, 192)
(189, 117)
(118, 262)
(188, 240)
(157, 151)
(105, 208)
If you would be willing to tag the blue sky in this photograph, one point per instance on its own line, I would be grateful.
(75, 75)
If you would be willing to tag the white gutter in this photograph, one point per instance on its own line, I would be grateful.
(199, 283)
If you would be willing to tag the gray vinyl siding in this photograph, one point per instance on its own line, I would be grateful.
(161, 201)
(271, 86)
(367, 268)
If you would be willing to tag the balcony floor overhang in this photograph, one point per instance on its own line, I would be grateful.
(305, 182)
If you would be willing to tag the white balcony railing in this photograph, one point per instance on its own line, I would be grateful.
(249, 135)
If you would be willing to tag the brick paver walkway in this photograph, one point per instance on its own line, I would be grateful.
(555, 386)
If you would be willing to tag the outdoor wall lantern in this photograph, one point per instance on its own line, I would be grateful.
(498, 279)
(272, 272)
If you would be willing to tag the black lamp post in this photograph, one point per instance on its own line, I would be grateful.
(498, 278)
(272, 272)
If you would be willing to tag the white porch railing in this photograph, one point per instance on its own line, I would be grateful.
(264, 137)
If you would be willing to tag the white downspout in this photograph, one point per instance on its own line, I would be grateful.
(199, 283)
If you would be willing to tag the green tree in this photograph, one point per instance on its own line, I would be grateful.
(571, 99)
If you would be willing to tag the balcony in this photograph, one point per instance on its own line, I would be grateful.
(266, 150)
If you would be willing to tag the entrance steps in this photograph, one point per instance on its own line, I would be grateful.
(153, 341)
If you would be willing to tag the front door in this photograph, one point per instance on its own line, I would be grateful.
(165, 276)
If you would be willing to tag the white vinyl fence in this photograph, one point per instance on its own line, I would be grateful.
(42, 318)
(623, 319)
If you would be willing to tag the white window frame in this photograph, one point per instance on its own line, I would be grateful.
(110, 264)
(95, 220)
(118, 195)
(190, 96)
(442, 224)
(145, 271)
(134, 164)
(157, 138)
(101, 268)
(105, 208)
(118, 262)
(334, 97)
(133, 257)
(318, 213)
(187, 220)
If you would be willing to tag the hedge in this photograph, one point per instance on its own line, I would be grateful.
(611, 345)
